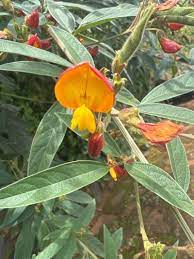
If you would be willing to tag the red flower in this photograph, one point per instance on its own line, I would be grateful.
(93, 51)
(175, 26)
(32, 20)
(34, 40)
(95, 144)
(167, 5)
(45, 44)
(161, 132)
(169, 46)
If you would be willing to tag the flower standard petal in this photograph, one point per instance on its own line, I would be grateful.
(84, 84)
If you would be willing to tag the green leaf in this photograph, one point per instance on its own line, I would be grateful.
(51, 183)
(109, 245)
(179, 163)
(11, 216)
(78, 6)
(61, 14)
(168, 111)
(47, 140)
(94, 244)
(177, 86)
(104, 15)
(161, 183)
(32, 67)
(171, 253)
(25, 241)
(79, 197)
(111, 146)
(118, 237)
(5, 14)
(70, 45)
(70, 207)
(68, 250)
(51, 250)
(86, 215)
(29, 51)
(126, 97)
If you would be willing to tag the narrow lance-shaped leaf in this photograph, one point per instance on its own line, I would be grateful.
(51, 183)
(110, 249)
(179, 163)
(62, 15)
(161, 183)
(47, 140)
(25, 241)
(32, 67)
(177, 86)
(29, 51)
(104, 15)
(126, 97)
(168, 111)
(70, 45)
(52, 249)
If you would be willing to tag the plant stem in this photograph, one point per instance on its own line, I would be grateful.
(87, 250)
(142, 158)
(145, 239)
(24, 98)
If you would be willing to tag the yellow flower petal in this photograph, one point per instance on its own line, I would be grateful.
(83, 119)
(84, 84)
(113, 173)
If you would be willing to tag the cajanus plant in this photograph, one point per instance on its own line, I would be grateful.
(94, 61)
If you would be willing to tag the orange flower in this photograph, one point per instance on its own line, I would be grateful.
(167, 5)
(86, 90)
(161, 132)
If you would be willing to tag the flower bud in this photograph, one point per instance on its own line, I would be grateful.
(7, 5)
(161, 132)
(169, 46)
(32, 20)
(117, 171)
(6, 34)
(95, 144)
(175, 26)
(20, 13)
(34, 40)
(45, 44)
(93, 51)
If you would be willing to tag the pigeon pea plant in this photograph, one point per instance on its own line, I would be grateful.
(94, 102)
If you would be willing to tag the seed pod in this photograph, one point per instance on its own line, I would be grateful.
(95, 144)
(169, 46)
(132, 43)
(175, 26)
(177, 10)
(32, 20)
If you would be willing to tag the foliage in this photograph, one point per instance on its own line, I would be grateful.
(46, 175)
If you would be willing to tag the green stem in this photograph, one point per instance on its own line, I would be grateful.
(23, 98)
(140, 217)
(87, 250)
(142, 158)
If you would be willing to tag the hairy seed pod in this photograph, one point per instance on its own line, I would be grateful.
(132, 43)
